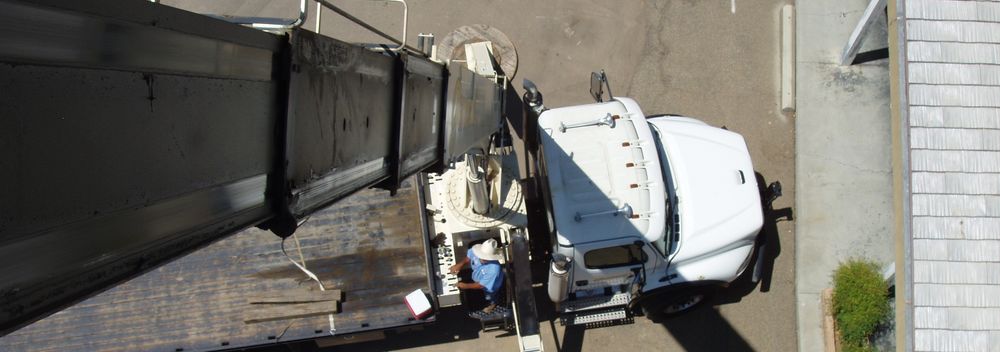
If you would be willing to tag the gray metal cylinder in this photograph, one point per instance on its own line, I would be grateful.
(559, 278)
(476, 179)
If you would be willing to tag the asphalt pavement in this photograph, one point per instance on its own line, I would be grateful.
(713, 60)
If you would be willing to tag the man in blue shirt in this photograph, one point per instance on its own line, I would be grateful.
(486, 271)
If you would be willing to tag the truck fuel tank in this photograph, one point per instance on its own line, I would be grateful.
(559, 278)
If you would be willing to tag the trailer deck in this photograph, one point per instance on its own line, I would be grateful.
(369, 245)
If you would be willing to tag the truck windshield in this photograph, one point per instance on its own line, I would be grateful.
(667, 243)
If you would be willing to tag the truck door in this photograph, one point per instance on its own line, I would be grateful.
(610, 263)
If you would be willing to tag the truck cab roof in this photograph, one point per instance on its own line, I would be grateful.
(603, 172)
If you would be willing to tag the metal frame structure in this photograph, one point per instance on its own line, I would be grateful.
(857, 36)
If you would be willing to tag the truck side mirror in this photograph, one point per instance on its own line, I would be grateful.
(529, 87)
(531, 94)
(598, 80)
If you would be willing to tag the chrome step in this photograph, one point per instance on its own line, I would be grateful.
(598, 302)
(598, 318)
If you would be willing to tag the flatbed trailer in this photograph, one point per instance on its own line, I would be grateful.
(136, 133)
(369, 245)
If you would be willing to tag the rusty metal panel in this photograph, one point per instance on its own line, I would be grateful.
(46, 35)
(341, 117)
(135, 132)
(473, 111)
(422, 114)
(369, 245)
(118, 155)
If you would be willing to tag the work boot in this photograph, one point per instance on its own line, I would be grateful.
(489, 309)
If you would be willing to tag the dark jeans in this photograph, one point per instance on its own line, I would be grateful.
(479, 299)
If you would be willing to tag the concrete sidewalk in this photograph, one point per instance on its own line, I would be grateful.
(843, 158)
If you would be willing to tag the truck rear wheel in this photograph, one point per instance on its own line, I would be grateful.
(669, 304)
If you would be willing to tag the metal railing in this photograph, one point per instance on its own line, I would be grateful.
(283, 24)
(400, 42)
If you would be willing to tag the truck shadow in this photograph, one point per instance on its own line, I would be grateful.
(705, 329)
(769, 243)
(451, 325)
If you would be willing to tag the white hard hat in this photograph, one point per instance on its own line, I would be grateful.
(487, 250)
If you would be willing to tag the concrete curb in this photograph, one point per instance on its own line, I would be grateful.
(787, 21)
(829, 323)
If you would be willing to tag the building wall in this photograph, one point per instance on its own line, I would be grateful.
(952, 74)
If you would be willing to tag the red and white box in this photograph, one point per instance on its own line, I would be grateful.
(418, 304)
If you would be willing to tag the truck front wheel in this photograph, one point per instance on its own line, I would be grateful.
(674, 303)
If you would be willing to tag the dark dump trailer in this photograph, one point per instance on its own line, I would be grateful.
(370, 246)
(133, 133)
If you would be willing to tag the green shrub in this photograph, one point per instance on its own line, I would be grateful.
(860, 302)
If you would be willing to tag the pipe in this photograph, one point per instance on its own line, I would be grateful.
(476, 180)
(303, 13)
(405, 16)
(319, 17)
(369, 27)
(559, 278)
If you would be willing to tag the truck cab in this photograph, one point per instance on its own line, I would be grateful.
(645, 211)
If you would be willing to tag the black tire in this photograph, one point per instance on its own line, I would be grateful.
(673, 303)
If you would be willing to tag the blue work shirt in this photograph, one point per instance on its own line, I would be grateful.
(487, 274)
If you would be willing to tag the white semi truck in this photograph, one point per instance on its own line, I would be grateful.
(642, 214)
(670, 196)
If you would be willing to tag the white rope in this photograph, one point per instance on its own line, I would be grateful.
(298, 246)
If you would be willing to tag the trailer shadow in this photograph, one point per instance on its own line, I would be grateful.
(768, 242)
(705, 329)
